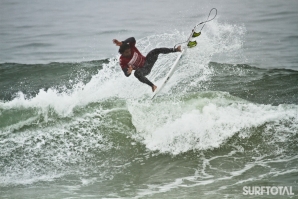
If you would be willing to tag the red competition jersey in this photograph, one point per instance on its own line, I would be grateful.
(137, 60)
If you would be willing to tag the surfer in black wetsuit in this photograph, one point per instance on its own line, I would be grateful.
(132, 59)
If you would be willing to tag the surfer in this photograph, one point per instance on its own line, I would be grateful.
(131, 59)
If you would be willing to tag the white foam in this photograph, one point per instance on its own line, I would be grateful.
(110, 81)
(202, 123)
(44, 154)
(199, 121)
(27, 179)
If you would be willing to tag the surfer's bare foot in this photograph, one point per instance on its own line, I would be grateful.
(154, 88)
(178, 49)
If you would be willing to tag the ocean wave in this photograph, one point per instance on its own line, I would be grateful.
(73, 117)
(202, 121)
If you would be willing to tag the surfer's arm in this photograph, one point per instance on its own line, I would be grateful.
(131, 41)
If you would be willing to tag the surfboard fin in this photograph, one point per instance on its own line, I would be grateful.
(196, 34)
(192, 44)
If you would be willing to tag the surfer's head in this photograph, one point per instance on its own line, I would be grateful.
(125, 50)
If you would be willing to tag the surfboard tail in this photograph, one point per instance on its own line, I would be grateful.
(169, 75)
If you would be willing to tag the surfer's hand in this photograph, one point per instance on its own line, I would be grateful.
(118, 43)
(129, 70)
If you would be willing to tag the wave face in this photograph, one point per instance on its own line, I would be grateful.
(74, 127)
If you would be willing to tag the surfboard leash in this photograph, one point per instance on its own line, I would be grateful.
(193, 34)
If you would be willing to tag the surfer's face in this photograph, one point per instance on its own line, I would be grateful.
(127, 53)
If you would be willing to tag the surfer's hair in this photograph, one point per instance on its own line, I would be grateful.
(123, 47)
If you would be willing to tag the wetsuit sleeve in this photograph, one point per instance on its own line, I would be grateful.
(125, 72)
(131, 41)
(123, 64)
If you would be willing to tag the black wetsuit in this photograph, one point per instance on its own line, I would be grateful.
(151, 58)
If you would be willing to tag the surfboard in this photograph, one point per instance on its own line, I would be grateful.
(169, 75)
(190, 44)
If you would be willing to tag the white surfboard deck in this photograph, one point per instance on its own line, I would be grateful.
(169, 75)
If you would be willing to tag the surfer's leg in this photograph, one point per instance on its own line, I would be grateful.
(140, 75)
(150, 61)
(152, 56)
